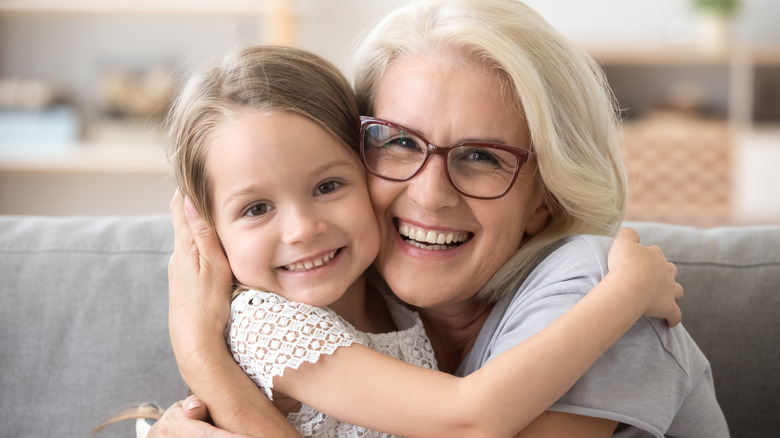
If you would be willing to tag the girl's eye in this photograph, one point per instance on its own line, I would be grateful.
(259, 210)
(327, 187)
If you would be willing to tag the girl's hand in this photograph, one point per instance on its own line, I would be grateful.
(200, 283)
(645, 270)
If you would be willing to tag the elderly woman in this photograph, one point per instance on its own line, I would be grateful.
(442, 73)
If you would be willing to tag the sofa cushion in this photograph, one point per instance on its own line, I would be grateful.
(83, 323)
(731, 307)
(83, 319)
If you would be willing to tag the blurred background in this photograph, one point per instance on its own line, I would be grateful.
(84, 85)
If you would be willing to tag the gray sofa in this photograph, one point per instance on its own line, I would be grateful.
(83, 319)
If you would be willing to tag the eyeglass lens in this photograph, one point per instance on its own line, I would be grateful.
(479, 170)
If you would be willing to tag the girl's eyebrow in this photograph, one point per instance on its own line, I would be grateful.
(331, 164)
(253, 187)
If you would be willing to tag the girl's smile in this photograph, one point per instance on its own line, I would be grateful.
(291, 207)
(312, 263)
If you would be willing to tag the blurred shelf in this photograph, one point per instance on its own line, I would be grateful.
(685, 56)
(738, 83)
(109, 147)
(86, 158)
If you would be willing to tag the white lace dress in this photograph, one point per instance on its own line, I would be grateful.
(268, 334)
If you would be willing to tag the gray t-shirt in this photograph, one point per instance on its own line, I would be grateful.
(654, 380)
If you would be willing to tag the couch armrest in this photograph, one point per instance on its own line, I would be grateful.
(83, 322)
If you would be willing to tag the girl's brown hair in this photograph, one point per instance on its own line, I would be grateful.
(265, 78)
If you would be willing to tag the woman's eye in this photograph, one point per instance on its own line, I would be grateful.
(481, 155)
(259, 209)
(403, 142)
(327, 187)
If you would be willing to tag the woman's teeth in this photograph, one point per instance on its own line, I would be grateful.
(310, 264)
(429, 239)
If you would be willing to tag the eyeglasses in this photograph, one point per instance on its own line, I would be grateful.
(476, 169)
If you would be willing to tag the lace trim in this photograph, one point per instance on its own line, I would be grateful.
(268, 334)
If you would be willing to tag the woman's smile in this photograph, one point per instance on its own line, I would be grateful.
(430, 239)
(440, 247)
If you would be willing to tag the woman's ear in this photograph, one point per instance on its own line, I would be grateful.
(538, 219)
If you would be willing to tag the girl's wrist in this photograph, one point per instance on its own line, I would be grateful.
(628, 290)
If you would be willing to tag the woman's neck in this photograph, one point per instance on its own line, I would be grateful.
(453, 330)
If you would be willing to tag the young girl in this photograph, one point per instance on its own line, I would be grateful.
(265, 147)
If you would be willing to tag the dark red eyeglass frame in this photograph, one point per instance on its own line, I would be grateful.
(522, 155)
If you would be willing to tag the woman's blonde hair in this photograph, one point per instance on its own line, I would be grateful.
(265, 78)
(560, 92)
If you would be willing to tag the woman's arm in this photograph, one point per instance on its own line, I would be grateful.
(186, 419)
(196, 327)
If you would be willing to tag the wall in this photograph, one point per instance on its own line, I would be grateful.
(73, 51)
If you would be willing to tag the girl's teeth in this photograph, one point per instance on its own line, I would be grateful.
(310, 264)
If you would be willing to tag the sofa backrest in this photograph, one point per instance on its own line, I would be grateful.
(83, 322)
(731, 307)
(84, 302)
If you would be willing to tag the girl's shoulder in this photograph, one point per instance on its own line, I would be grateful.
(263, 307)
(268, 334)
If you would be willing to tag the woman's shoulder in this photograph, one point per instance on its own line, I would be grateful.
(583, 245)
(575, 256)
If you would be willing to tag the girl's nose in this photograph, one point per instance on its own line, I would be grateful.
(302, 225)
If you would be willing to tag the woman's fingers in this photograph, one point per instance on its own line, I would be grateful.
(179, 421)
(207, 244)
(197, 249)
(182, 235)
(194, 409)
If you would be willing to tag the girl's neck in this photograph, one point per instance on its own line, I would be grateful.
(453, 330)
(364, 308)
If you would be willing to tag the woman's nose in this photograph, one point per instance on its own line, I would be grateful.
(431, 188)
(302, 225)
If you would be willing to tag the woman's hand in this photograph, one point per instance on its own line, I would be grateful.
(200, 284)
(187, 418)
(646, 270)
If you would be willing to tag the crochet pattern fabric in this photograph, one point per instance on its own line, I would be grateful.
(268, 334)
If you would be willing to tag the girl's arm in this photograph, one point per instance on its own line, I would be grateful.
(364, 387)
